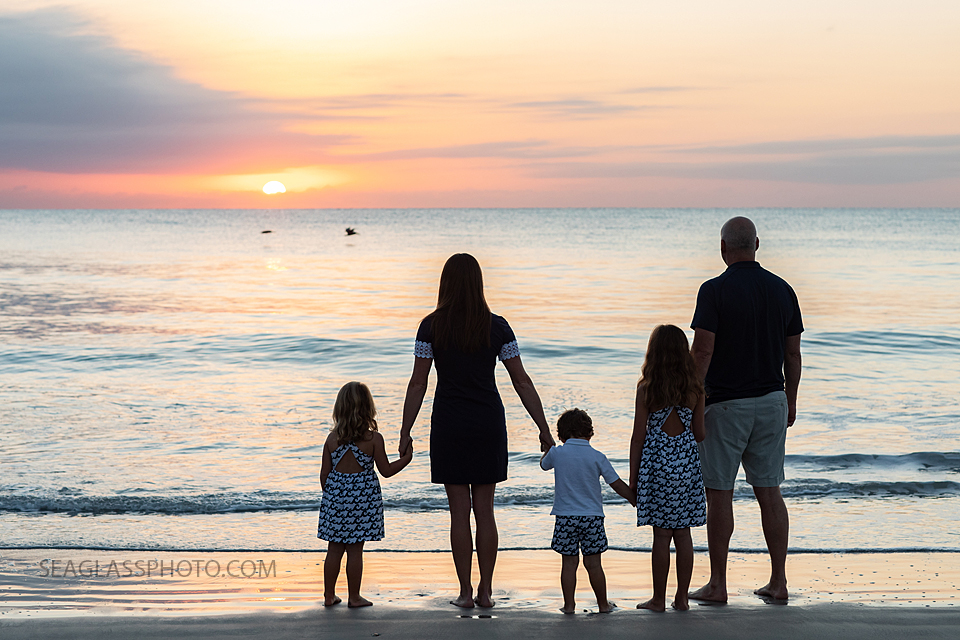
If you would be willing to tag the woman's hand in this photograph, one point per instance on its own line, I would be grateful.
(406, 442)
(546, 441)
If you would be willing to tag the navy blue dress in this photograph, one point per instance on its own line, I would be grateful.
(468, 428)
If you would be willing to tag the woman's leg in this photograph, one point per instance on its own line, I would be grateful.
(488, 541)
(461, 540)
(683, 543)
(355, 575)
(331, 571)
(660, 564)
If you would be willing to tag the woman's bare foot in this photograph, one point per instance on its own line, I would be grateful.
(680, 603)
(484, 600)
(653, 605)
(774, 593)
(610, 606)
(359, 602)
(570, 610)
(709, 593)
(329, 601)
(464, 602)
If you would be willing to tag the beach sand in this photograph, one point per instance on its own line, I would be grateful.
(893, 595)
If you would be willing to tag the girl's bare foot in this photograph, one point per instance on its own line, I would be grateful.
(484, 600)
(653, 605)
(329, 601)
(464, 602)
(359, 602)
(680, 604)
(610, 606)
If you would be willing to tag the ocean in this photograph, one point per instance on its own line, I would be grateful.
(169, 375)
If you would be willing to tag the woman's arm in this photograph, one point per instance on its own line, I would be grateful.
(530, 399)
(699, 430)
(638, 438)
(384, 466)
(416, 390)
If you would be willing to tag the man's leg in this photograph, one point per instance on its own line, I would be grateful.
(776, 531)
(719, 532)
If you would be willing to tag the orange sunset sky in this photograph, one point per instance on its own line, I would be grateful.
(445, 103)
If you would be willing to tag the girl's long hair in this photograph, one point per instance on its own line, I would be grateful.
(462, 317)
(353, 413)
(669, 374)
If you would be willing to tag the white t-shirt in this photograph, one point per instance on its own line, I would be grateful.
(577, 470)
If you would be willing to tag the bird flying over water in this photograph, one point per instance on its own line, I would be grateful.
(351, 231)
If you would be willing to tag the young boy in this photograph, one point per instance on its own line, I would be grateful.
(578, 505)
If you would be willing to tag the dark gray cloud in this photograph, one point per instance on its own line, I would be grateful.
(76, 102)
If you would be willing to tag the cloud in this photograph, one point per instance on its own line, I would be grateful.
(877, 143)
(579, 108)
(845, 169)
(502, 149)
(74, 102)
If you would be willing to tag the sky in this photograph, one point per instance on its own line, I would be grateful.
(519, 103)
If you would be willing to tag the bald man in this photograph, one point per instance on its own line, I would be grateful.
(746, 344)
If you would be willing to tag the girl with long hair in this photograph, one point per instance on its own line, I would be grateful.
(664, 461)
(468, 433)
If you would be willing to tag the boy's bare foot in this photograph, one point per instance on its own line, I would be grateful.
(484, 601)
(570, 610)
(653, 605)
(464, 602)
(610, 606)
(329, 601)
(774, 593)
(680, 604)
(359, 602)
(709, 593)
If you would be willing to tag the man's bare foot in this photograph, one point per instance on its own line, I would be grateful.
(610, 606)
(774, 593)
(464, 602)
(570, 610)
(709, 594)
(359, 602)
(329, 601)
(680, 604)
(653, 605)
(484, 600)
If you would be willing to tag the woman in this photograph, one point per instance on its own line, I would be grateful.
(468, 432)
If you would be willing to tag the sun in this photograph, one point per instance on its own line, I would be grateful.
(273, 187)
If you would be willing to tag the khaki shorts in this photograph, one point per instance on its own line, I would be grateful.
(752, 431)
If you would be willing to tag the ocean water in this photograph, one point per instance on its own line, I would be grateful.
(168, 376)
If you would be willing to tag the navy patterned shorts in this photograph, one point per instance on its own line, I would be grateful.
(572, 534)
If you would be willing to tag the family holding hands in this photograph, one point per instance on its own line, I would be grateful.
(700, 414)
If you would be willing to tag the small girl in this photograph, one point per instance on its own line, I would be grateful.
(351, 510)
(664, 462)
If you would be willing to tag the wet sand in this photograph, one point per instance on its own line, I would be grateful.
(279, 595)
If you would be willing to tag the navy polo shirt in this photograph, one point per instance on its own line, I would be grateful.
(751, 311)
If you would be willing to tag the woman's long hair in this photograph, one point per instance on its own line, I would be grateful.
(353, 413)
(669, 374)
(462, 317)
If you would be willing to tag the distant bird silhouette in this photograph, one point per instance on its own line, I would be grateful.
(351, 231)
(267, 231)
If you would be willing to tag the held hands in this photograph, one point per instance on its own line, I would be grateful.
(546, 441)
(406, 442)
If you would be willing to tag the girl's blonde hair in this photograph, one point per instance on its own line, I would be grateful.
(669, 374)
(354, 412)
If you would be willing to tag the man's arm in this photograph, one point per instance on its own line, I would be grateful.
(791, 376)
(702, 350)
